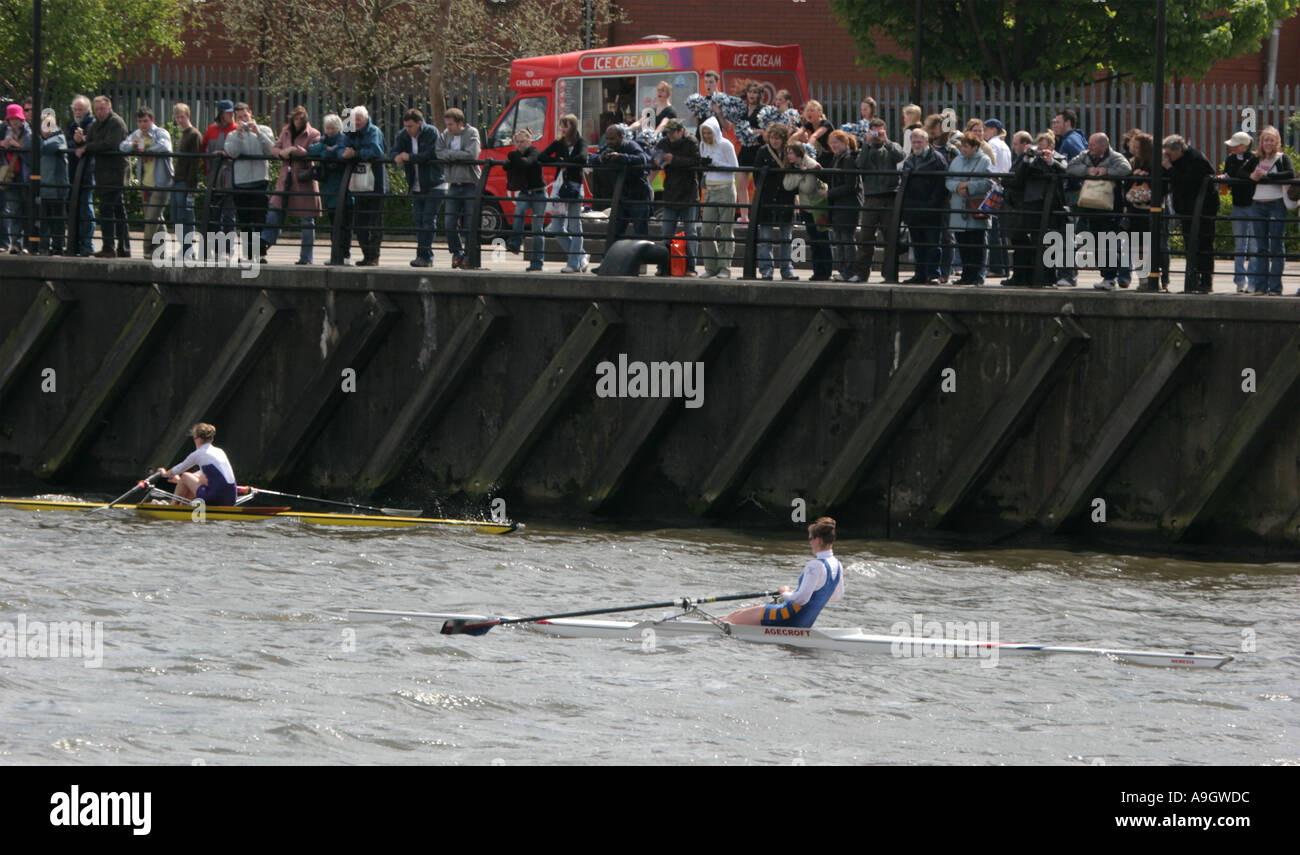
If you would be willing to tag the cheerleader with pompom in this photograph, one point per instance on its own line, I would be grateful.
(751, 140)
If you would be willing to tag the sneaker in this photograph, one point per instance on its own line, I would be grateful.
(568, 269)
(586, 262)
(724, 273)
(835, 277)
(1105, 285)
(1064, 282)
(1241, 287)
(791, 278)
(856, 278)
(766, 277)
(706, 275)
(422, 262)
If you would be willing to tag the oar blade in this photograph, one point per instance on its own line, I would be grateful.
(461, 626)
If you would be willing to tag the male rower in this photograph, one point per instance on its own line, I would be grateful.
(821, 582)
(214, 483)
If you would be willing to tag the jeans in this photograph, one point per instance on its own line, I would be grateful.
(112, 221)
(781, 235)
(13, 216)
(83, 241)
(250, 210)
(876, 213)
(459, 206)
(530, 202)
(1243, 234)
(688, 216)
(634, 210)
(716, 242)
(182, 210)
(53, 225)
(567, 228)
(999, 258)
(925, 248)
(1270, 252)
(819, 240)
(971, 242)
(424, 211)
(271, 233)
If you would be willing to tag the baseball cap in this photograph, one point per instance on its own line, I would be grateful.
(225, 106)
(674, 125)
(995, 123)
(1239, 138)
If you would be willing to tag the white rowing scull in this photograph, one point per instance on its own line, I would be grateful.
(852, 640)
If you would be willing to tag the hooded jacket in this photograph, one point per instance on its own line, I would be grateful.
(721, 152)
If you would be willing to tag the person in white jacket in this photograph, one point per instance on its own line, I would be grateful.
(716, 242)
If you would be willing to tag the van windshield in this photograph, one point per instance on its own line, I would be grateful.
(526, 114)
(599, 102)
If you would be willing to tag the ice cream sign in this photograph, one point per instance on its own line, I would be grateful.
(649, 60)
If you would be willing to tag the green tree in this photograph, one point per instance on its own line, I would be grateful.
(1055, 41)
(349, 47)
(83, 42)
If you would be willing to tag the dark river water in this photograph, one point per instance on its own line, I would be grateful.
(229, 643)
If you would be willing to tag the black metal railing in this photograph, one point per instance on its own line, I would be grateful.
(906, 229)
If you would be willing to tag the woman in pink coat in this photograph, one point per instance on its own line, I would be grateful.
(293, 195)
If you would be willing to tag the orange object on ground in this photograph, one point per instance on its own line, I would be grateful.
(677, 255)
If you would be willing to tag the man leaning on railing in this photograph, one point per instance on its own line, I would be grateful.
(416, 150)
(153, 145)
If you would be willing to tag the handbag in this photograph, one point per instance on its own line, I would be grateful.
(307, 173)
(992, 201)
(1097, 195)
(6, 172)
(362, 180)
(1139, 195)
(555, 205)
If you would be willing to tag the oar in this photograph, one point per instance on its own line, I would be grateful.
(392, 512)
(143, 484)
(459, 627)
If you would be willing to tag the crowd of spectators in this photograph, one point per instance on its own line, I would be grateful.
(976, 204)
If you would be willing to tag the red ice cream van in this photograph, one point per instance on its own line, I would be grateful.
(609, 85)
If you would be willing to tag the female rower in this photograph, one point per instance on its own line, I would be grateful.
(214, 483)
(821, 582)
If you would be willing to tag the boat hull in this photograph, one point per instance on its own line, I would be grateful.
(251, 513)
(849, 640)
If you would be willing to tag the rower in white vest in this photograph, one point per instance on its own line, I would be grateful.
(214, 482)
(821, 582)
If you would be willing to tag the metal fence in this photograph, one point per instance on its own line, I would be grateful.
(481, 96)
(1204, 114)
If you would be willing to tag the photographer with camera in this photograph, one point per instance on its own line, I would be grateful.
(250, 144)
(1035, 175)
(879, 155)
